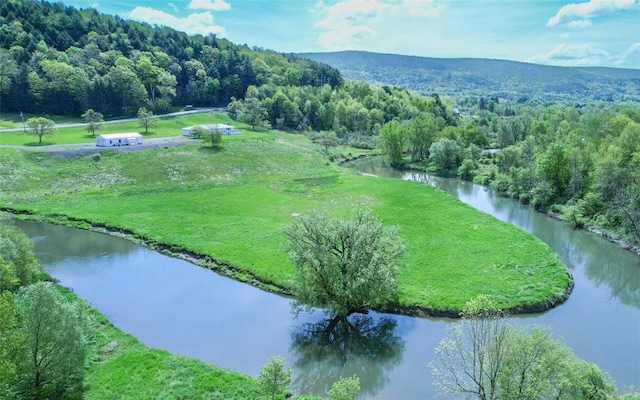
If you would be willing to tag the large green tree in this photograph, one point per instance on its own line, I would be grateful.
(18, 264)
(11, 343)
(422, 131)
(145, 119)
(40, 127)
(254, 113)
(343, 265)
(94, 120)
(392, 142)
(51, 363)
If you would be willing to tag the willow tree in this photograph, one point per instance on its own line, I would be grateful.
(18, 264)
(51, 363)
(485, 357)
(343, 265)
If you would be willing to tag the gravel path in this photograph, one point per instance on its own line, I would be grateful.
(81, 149)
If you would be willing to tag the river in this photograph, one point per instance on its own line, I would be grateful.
(171, 304)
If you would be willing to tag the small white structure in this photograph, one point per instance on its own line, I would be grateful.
(119, 139)
(224, 129)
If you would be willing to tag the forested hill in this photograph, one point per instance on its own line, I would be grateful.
(483, 77)
(59, 60)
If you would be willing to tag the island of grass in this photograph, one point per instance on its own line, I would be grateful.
(226, 208)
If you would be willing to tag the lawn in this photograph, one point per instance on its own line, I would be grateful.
(231, 204)
(163, 127)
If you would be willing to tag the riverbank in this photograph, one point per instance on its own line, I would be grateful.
(624, 244)
(226, 209)
(229, 270)
(119, 366)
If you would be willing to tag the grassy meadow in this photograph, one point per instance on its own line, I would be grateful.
(120, 367)
(163, 127)
(230, 205)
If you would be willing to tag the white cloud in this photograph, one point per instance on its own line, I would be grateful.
(574, 55)
(348, 22)
(197, 23)
(345, 39)
(350, 13)
(580, 23)
(576, 12)
(631, 57)
(424, 8)
(173, 7)
(213, 5)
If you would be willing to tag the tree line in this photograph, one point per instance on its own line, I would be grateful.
(58, 60)
(579, 162)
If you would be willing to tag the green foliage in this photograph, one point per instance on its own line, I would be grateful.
(212, 136)
(327, 139)
(11, 344)
(422, 131)
(18, 264)
(345, 389)
(445, 154)
(253, 113)
(40, 127)
(51, 363)
(145, 119)
(94, 120)
(344, 265)
(485, 357)
(59, 60)
(273, 378)
(199, 132)
(392, 142)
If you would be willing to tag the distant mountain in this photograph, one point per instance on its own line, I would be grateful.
(517, 81)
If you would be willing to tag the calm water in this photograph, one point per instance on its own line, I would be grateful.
(171, 304)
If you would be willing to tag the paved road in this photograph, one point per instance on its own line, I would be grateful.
(79, 149)
(199, 110)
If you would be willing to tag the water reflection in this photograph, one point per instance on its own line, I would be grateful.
(604, 263)
(622, 278)
(342, 347)
(78, 244)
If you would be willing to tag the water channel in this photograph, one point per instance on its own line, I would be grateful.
(171, 304)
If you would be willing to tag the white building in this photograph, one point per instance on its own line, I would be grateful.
(224, 129)
(119, 139)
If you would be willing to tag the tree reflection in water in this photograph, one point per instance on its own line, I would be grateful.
(342, 347)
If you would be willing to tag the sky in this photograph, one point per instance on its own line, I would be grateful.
(580, 33)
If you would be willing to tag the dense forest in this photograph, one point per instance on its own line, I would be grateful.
(510, 80)
(60, 60)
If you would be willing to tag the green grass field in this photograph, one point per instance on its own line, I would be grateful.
(164, 127)
(120, 367)
(232, 203)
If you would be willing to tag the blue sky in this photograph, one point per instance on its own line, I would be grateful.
(580, 33)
